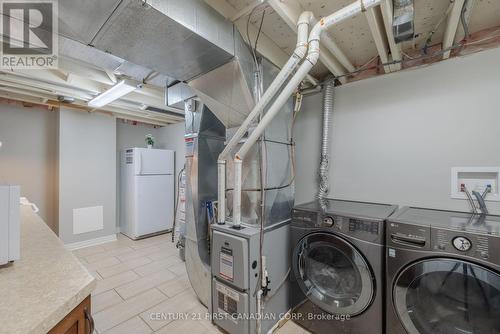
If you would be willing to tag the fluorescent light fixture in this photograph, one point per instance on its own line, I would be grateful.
(119, 90)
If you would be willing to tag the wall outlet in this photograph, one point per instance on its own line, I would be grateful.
(475, 179)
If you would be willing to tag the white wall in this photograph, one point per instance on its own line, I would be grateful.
(87, 170)
(396, 137)
(28, 156)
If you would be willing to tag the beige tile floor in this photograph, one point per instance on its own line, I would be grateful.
(139, 282)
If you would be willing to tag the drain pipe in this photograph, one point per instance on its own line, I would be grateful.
(299, 53)
(311, 59)
(327, 126)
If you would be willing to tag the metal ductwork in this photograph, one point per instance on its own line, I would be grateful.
(183, 40)
(72, 49)
(179, 38)
(231, 99)
(403, 20)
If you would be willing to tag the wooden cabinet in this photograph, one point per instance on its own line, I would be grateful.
(78, 321)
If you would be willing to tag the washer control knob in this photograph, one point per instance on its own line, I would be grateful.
(462, 244)
(328, 221)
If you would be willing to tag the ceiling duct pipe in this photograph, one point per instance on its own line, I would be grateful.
(328, 96)
(306, 66)
(299, 53)
(403, 20)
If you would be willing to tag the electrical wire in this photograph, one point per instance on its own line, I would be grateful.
(259, 31)
(253, 48)
(463, 20)
(481, 40)
(421, 57)
(280, 285)
(433, 31)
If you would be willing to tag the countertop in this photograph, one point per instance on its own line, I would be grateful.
(48, 282)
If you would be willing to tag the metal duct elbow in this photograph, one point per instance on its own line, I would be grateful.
(328, 100)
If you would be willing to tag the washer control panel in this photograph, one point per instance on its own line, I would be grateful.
(479, 246)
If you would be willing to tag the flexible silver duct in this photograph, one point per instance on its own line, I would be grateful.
(327, 125)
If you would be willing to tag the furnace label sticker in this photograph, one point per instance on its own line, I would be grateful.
(226, 264)
(227, 301)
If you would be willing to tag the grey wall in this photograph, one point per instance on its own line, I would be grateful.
(396, 137)
(87, 170)
(29, 155)
(130, 135)
(171, 137)
(72, 157)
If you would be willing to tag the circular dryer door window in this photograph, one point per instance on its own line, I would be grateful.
(441, 296)
(333, 274)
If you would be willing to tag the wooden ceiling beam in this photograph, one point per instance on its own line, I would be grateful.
(396, 54)
(451, 27)
(376, 24)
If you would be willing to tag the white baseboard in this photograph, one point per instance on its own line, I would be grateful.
(92, 242)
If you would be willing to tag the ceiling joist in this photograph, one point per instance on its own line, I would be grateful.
(374, 19)
(266, 47)
(396, 55)
(47, 85)
(451, 27)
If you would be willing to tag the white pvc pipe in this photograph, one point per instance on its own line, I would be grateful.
(288, 68)
(221, 203)
(312, 57)
(238, 166)
(259, 311)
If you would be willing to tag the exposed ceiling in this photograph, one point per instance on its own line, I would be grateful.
(355, 37)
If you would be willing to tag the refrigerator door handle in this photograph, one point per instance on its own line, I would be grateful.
(139, 163)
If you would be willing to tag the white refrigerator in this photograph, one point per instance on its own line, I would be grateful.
(147, 192)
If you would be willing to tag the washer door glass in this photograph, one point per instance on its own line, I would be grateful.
(333, 274)
(441, 296)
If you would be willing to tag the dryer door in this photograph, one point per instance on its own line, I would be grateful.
(447, 296)
(333, 274)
